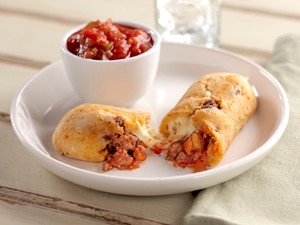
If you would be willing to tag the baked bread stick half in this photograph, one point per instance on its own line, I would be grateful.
(116, 136)
(205, 121)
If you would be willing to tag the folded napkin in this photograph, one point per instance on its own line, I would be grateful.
(269, 193)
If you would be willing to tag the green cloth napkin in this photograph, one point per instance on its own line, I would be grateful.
(269, 193)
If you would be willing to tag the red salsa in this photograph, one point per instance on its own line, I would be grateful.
(108, 41)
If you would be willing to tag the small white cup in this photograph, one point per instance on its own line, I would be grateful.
(119, 82)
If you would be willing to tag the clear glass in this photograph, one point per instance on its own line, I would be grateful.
(189, 21)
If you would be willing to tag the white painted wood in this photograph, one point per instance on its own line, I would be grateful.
(12, 79)
(288, 7)
(30, 38)
(252, 31)
(87, 10)
(18, 170)
(14, 214)
(30, 35)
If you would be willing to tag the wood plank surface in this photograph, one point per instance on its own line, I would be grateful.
(284, 9)
(244, 31)
(31, 31)
(13, 213)
(23, 181)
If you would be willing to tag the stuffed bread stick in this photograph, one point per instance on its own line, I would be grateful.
(118, 137)
(202, 125)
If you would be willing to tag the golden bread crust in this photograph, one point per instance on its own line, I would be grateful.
(82, 132)
(218, 104)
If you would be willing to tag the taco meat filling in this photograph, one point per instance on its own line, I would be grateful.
(191, 152)
(124, 152)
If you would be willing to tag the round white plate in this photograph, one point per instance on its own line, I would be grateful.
(36, 110)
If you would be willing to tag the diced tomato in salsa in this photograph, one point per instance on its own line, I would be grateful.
(108, 41)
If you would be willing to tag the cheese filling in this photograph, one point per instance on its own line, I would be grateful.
(180, 128)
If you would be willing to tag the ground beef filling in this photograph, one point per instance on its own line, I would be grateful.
(211, 103)
(125, 152)
(191, 152)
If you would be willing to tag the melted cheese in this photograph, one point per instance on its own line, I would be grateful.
(207, 94)
(180, 128)
(143, 133)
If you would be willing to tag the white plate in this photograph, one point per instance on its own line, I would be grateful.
(38, 107)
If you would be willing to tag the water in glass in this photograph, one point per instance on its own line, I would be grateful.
(189, 21)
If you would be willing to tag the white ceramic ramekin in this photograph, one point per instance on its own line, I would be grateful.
(117, 82)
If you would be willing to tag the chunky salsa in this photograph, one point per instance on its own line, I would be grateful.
(108, 41)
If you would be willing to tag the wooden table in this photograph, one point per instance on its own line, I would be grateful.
(30, 35)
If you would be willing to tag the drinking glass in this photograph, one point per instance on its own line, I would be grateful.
(189, 21)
